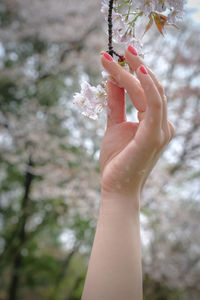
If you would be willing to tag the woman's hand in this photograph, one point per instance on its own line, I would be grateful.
(130, 150)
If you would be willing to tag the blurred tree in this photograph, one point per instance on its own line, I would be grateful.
(171, 198)
(42, 169)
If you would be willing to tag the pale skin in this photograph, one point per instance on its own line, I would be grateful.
(128, 154)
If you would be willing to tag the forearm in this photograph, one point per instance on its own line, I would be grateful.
(114, 271)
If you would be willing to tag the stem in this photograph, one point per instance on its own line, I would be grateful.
(110, 46)
(124, 3)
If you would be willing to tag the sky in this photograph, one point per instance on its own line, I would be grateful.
(194, 6)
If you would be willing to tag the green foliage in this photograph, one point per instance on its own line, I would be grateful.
(84, 229)
(8, 94)
(14, 176)
(48, 90)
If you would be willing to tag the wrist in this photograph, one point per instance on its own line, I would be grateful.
(120, 203)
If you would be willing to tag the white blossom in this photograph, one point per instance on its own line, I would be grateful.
(160, 6)
(119, 27)
(123, 34)
(91, 100)
(145, 6)
(105, 8)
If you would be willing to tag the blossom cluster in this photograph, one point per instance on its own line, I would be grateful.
(124, 24)
(148, 6)
(122, 31)
(173, 9)
(93, 100)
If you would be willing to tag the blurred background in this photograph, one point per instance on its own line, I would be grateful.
(49, 170)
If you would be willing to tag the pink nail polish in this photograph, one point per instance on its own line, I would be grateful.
(107, 56)
(143, 70)
(132, 50)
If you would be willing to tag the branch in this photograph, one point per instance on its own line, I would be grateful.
(17, 264)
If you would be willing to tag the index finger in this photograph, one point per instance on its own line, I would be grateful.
(127, 80)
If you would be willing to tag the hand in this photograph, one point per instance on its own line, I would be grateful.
(130, 150)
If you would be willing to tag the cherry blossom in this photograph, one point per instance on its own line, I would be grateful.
(145, 6)
(91, 100)
(159, 6)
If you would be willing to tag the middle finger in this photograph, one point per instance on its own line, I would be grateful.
(135, 61)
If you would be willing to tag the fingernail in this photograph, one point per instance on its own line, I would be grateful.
(132, 50)
(143, 70)
(107, 56)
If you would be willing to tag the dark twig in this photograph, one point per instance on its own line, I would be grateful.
(110, 46)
